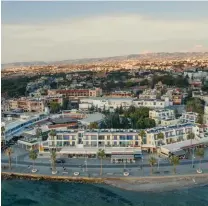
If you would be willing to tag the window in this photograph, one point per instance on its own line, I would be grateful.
(108, 137)
(130, 137)
(66, 144)
(93, 137)
(101, 137)
(123, 137)
(65, 137)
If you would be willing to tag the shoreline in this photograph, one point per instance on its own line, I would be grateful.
(139, 184)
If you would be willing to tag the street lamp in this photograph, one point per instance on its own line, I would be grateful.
(86, 160)
(158, 164)
(193, 157)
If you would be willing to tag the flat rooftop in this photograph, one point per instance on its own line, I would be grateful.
(91, 150)
(95, 117)
(167, 128)
(187, 143)
(9, 124)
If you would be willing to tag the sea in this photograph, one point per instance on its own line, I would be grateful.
(43, 193)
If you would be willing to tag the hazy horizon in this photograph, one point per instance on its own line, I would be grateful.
(56, 31)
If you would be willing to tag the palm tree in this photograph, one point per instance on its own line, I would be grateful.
(152, 162)
(33, 156)
(53, 161)
(101, 155)
(38, 132)
(191, 136)
(3, 134)
(174, 160)
(52, 134)
(142, 135)
(200, 154)
(160, 136)
(9, 154)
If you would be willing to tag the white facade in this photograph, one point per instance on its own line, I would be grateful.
(107, 103)
(206, 114)
(153, 103)
(113, 103)
(171, 134)
(168, 122)
(81, 141)
(162, 114)
(189, 117)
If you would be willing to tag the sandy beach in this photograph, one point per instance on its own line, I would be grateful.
(164, 183)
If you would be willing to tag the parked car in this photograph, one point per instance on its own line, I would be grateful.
(60, 161)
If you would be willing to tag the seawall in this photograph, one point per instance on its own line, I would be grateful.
(150, 183)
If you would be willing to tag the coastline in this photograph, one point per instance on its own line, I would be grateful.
(139, 184)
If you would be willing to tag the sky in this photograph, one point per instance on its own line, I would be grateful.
(52, 31)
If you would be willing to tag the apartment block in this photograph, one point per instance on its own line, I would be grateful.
(27, 105)
(77, 93)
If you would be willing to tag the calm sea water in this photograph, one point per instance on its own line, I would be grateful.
(34, 193)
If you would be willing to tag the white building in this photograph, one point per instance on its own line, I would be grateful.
(113, 103)
(168, 122)
(206, 114)
(105, 103)
(148, 94)
(189, 117)
(162, 114)
(17, 126)
(88, 142)
(171, 134)
(160, 104)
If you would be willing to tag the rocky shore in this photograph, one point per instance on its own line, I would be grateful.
(39, 177)
(150, 184)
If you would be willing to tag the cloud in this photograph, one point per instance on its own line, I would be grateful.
(99, 36)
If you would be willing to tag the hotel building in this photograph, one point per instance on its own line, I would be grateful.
(77, 93)
(79, 142)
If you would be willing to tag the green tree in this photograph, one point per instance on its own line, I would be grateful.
(93, 125)
(160, 136)
(125, 123)
(191, 136)
(65, 104)
(200, 154)
(142, 134)
(121, 110)
(54, 107)
(3, 134)
(9, 154)
(52, 133)
(101, 155)
(33, 156)
(38, 133)
(92, 108)
(53, 160)
(152, 162)
(200, 119)
(174, 160)
(195, 105)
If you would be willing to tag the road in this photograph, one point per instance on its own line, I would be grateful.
(27, 163)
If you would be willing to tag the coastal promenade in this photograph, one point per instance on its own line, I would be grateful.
(140, 177)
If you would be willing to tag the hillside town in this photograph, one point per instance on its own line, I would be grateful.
(128, 114)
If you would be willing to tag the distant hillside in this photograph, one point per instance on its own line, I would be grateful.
(161, 55)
